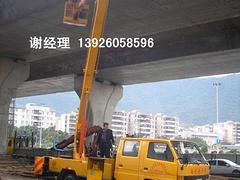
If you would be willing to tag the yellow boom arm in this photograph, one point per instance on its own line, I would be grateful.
(89, 72)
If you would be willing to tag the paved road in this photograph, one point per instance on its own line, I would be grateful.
(12, 177)
(223, 178)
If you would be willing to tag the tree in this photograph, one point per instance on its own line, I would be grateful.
(201, 143)
(232, 151)
(179, 138)
(26, 130)
(49, 135)
(204, 149)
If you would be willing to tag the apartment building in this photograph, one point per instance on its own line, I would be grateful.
(133, 123)
(144, 124)
(11, 112)
(203, 132)
(34, 115)
(123, 122)
(227, 132)
(166, 126)
(140, 124)
(119, 123)
(237, 133)
(66, 122)
(208, 128)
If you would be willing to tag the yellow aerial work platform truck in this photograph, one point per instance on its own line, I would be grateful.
(136, 158)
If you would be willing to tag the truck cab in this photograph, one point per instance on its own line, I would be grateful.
(159, 159)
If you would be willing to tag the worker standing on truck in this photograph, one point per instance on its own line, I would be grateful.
(105, 141)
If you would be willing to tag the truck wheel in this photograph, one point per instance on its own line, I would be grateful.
(69, 177)
(236, 173)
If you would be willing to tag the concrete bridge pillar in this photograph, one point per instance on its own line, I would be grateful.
(12, 74)
(103, 100)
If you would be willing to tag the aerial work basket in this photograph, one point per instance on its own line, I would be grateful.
(76, 12)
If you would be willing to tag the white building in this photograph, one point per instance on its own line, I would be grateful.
(166, 126)
(133, 123)
(141, 124)
(11, 113)
(237, 132)
(34, 115)
(144, 124)
(208, 128)
(228, 131)
(203, 132)
(67, 122)
(119, 123)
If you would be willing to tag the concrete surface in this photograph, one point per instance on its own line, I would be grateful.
(12, 74)
(103, 100)
(125, 18)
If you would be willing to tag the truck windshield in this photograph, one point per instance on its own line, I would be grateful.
(188, 153)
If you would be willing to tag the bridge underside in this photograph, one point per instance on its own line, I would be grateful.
(206, 49)
(170, 69)
(192, 38)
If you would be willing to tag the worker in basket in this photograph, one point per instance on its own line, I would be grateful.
(80, 4)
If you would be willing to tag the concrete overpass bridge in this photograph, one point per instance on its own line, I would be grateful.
(192, 38)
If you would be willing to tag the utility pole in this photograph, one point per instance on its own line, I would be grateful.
(217, 85)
